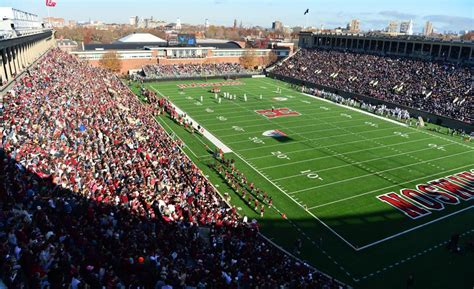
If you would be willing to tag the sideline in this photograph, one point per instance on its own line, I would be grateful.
(205, 132)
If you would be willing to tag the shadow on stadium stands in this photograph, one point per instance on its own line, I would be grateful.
(84, 228)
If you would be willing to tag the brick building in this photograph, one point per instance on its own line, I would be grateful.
(134, 55)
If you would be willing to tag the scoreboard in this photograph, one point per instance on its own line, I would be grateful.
(186, 39)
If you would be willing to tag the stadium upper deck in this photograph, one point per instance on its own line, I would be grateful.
(411, 46)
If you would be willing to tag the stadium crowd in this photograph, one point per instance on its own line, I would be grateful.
(440, 88)
(193, 70)
(95, 194)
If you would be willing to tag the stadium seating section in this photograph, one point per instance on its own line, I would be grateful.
(439, 88)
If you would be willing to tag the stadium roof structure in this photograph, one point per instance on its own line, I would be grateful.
(225, 44)
(141, 38)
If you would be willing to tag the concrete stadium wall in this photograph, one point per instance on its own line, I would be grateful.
(436, 119)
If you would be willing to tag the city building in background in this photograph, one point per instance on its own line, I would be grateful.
(277, 26)
(428, 29)
(178, 24)
(354, 25)
(392, 27)
(406, 27)
(56, 22)
(67, 45)
(133, 21)
(72, 23)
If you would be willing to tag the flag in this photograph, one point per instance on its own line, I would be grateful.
(50, 3)
(306, 12)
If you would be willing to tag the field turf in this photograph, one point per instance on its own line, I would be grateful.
(324, 172)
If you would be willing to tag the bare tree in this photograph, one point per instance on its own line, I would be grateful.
(249, 59)
(110, 60)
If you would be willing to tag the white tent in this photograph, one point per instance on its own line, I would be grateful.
(142, 38)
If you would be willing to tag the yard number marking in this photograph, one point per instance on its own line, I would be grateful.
(371, 124)
(310, 174)
(210, 110)
(438, 147)
(280, 155)
(237, 128)
(221, 118)
(323, 108)
(401, 134)
(346, 115)
(256, 140)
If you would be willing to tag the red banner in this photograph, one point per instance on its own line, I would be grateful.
(50, 3)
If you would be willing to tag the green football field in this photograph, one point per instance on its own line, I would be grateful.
(325, 165)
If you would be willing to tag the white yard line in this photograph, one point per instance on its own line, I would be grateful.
(255, 114)
(350, 164)
(259, 116)
(328, 137)
(301, 126)
(340, 154)
(376, 173)
(319, 138)
(230, 111)
(288, 122)
(309, 140)
(388, 187)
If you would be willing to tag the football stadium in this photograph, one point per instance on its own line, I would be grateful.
(174, 155)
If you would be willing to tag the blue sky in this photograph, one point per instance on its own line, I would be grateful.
(452, 15)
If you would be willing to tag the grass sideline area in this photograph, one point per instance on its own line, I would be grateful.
(324, 165)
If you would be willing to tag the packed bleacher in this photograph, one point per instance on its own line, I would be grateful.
(95, 194)
(158, 71)
(439, 88)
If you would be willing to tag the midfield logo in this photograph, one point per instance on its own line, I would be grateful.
(432, 196)
(277, 112)
(274, 133)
